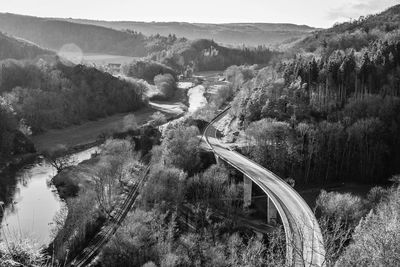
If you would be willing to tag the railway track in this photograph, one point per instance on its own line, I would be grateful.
(86, 257)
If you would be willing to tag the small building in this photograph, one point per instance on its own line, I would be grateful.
(114, 67)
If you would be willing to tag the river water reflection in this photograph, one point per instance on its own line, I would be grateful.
(31, 201)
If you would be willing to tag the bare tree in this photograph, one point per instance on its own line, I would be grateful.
(335, 236)
(106, 184)
(58, 157)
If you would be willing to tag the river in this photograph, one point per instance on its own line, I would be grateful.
(33, 201)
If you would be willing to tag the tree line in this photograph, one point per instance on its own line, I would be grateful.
(53, 95)
(324, 119)
(45, 94)
(204, 55)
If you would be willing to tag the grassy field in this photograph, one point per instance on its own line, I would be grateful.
(103, 59)
(86, 132)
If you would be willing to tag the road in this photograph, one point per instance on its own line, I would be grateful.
(304, 242)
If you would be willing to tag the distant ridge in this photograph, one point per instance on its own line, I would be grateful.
(12, 48)
(53, 34)
(251, 34)
(361, 32)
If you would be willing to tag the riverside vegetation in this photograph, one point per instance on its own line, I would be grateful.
(323, 113)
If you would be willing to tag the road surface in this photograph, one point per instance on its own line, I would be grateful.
(304, 242)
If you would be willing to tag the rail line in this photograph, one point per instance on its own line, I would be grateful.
(101, 238)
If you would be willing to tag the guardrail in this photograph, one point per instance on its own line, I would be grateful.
(291, 231)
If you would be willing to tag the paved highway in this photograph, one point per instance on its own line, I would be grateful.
(303, 235)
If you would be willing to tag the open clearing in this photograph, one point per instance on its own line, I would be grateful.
(88, 131)
(103, 59)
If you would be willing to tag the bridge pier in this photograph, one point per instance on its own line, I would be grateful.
(272, 212)
(247, 191)
(218, 160)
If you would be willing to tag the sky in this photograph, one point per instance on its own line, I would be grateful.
(317, 13)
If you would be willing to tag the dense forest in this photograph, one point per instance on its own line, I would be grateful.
(355, 34)
(156, 231)
(44, 94)
(333, 115)
(51, 95)
(13, 130)
(204, 55)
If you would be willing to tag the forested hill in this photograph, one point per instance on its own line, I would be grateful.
(18, 49)
(204, 55)
(385, 21)
(356, 34)
(338, 104)
(249, 34)
(53, 34)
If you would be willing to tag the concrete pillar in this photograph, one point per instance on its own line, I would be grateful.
(272, 212)
(247, 191)
(218, 160)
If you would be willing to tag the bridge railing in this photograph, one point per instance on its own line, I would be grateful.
(287, 228)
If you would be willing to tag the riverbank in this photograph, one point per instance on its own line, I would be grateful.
(115, 166)
(87, 132)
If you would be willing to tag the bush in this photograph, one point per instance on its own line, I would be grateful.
(129, 123)
(376, 239)
(209, 187)
(58, 157)
(135, 242)
(346, 207)
(21, 253)
(164, 186)
(158, 119)
(166, 85)
(146, 70)
(180, 148)
(224, 94)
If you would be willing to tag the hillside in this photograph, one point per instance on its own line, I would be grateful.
(250, 34)
(356, 34)
(18, 49)
(53, 34)
(204, 55)
(385, 21)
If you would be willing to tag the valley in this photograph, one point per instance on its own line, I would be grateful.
(128, 143)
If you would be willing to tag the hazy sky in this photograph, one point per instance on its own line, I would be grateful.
(318, 13)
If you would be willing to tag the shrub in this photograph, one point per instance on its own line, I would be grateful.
(23, 252)
(146, 70)
(181, 148)
(376, 239)
(164, 185)
(166, 85)
(158, 119)
(346, 207)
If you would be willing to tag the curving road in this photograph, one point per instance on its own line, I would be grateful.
(304, 242)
